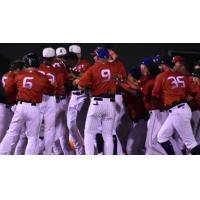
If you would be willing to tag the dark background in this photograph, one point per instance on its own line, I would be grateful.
(130, 54)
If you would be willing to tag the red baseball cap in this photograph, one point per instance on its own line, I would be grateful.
(177, 59)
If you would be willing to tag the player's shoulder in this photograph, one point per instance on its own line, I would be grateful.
(84, 62)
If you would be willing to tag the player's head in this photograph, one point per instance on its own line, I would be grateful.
(197, 65)
(101, 54)
(17, 65)
(61, 52)
(113, 56)
(182, 66)
(31, 60)
(71, 59)
(177, 59)
(164, 63)
(196, 75)
(75, 49)
(48, 55)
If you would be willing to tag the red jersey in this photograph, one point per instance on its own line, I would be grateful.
(81, 67)
(146, 89)
(55, 77)
(171, 87)
(195, 102)
(61, 69)
(8, 81)
(31, 85)
(99, 78)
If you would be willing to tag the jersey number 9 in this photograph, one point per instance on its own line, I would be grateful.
(27, 82)
(105, 74)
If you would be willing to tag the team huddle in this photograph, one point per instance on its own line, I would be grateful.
(41, 102)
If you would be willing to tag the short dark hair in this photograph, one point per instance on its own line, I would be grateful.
(16, 65)
(71, 59)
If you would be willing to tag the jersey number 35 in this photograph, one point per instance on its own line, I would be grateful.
(177, 81)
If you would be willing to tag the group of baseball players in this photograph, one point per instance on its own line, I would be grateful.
(42, 99)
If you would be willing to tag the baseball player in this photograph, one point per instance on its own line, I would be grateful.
(196, 104)
(138, 115)
(48, 106)
(61, 145)
(119, 70)
(100, 80)
(30, 86)
(77, 99)
(6, 113)
(174, 88)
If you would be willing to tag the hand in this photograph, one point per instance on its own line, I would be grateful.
(75, 82)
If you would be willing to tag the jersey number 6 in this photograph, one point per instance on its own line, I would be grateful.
(177, 81)
(105, 73)
(27, 82)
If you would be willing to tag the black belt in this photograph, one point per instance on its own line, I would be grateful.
(8, 106)
(179, 106)
(118, 92)
(78, 92)
(101, 99)
(175, 104)
(50, 95)
(109, 96)
(32, 103)
(60, 97)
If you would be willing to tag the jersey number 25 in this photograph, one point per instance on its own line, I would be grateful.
(27, 82)
(177, 81)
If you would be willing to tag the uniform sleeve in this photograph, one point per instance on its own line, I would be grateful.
(157, 89)
(123, 71)
(48, 88)
(191, 88)
(86, 80)
(60, 81)
(86, 66)
(146, 91)
(10, 86)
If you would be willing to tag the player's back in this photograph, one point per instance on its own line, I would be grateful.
(102, 79)
(173, 86)
(118, 68)
(31, 85)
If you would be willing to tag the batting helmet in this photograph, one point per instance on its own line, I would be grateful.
(31, 60)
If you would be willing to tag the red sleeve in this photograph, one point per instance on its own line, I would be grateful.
(86, 79)
(157, 89)
(48, 88)
(9, 85)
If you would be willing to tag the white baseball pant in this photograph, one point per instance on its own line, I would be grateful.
(75, 104)
(179, 119)
(48, 111)
(196, 124)
(29, 115)
(104, 112)
(61, 144)
(5, 118)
